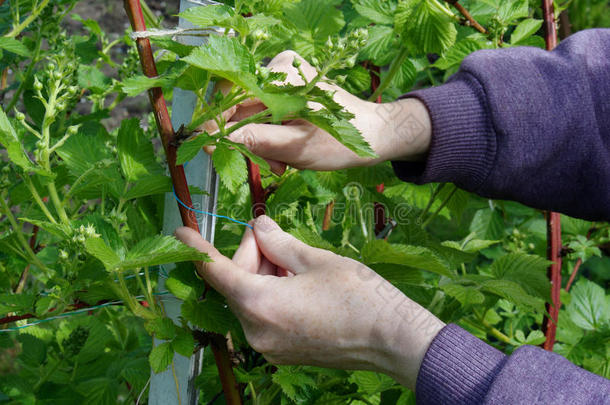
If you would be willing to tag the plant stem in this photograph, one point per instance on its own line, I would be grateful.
(574, 273)
(554, 245)
(17, 229)
(492, 330)
(256, 118)
(35, 13)
(431, 200)
(43, 207)
(471, 21)
(24, 275)
(438, 210)
(219, 345)
(394, 69)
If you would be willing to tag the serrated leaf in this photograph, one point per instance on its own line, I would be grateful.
(162, 328)
(222, 55)
(160, 250)
(341, 130)
(380, 251)
(426, 24)
(211, 314)
(525, 29)
(471, 245)
(184, 343)
(100, 391)
(315, 21)
(189, 149)
(513, 292)
(14, 46)
(101, 251)
(466, 295)
(512, 10)
(379, 12)
(456, 54)
(16, 303)
(161, 357)
(169, 44)
(12, 143)
(136, 153)
(264, 165)
(487, 224)
(92, 78)
(230, 166)
(217, 15)
(150, 185)
(527, 270)
(405, 77)
(588, 306)
(61, 230)
(291, 380)
(380, 47)
(370, 382)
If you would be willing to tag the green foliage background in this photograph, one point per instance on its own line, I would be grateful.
(96, 196)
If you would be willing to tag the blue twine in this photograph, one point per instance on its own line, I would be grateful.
(205, 212)
(72, 313)
(210, 213)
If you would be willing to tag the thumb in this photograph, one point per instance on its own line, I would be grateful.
(284, 250)
(223, 275)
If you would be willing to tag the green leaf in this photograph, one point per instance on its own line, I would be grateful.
(183, 283)
(16, 303)
(162, 328)
(456, 54)
(525, 29)
(380, 47)
(169, 44)
(12, 143)
(217, 15)
(184, 343)
(527, 270)
(512, 10)
(342, 130)
(190, 148)
(487, 224)
(588, 306)
(379, 12)
(150, 185)
(100, 391)
(513, 292)
(292, 380)
(160, 250)
(136, 153)
(211, 314)
(370, 382)
(380, 251)
(466, 295)
(427, 25)
(161, 357)
(33, 350)
(471, 245)
(397, 274)
(92, 78)
(14, 46)
(221, 55)
(264, 165)
(101, 251)
(405, 77)
(60, 230)
(230, 166)
(314, 20)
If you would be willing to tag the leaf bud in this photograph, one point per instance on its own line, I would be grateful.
(72, 130)
(37, 84)
(340, 79)
(315, 61)
(51, 67)
(296, 62)
(57, 75)
(351, 61)
(63, 254)
(6, 169)
(20, 116)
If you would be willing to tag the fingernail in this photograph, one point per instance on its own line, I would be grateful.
(265, 224)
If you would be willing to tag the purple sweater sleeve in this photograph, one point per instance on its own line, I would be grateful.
(460, 369)
(525, 124)
(532, 126)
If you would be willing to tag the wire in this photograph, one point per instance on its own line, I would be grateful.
(210, 213)
(71, 313)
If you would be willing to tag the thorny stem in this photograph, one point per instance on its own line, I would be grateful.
(471, 21)
(394, 69)
(219, 347)
(35, 13)
(549, 323)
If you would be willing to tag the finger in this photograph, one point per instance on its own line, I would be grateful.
(222, 274)
(284, 250)
(282, 143)
(267, 268)
(211, 126)
(246, 110)
(247, 256)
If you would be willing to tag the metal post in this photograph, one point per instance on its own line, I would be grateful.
(199, 173)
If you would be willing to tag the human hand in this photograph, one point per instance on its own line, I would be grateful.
(395, 131)
(333, 312)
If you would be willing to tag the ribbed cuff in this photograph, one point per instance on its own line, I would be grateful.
(458, 368)
(463, 144)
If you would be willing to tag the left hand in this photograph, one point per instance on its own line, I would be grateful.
(333, 312)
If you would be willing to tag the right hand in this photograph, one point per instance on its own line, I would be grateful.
(395, 131)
